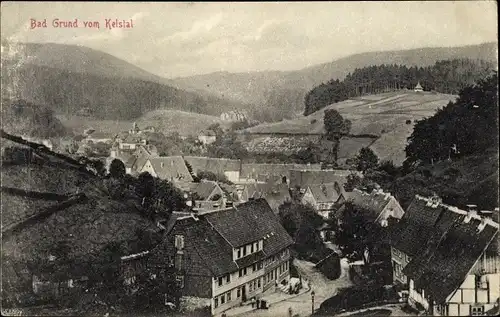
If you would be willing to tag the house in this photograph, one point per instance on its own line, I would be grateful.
(131, 142)
(219, 166)
(171, 168)
(207, 137)
(410, 234)
(322, 197)
(99, 137)
(418, 88)
(134, 160)
(453, 266)
(380, 206)
(274, 194)
(302, 178)
(227, 257)
(207, 195)
(252, 172)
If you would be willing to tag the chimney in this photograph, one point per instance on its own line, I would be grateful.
(472, 209)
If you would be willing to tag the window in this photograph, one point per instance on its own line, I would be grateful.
(481, 282)
(179, 242)
(216, 302)
(241, 272)
(239, 254)
(245, 271)
(228, 278)
(254, 267)
(244, 251)
(258, 283)
(250, 288)
(220, 281)
(238, 292)
(259, 265)
(251, 248)
(228, 296)
(180, 280)
(477, 311)
(222, 299)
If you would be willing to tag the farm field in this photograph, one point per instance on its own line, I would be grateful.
(382, 115)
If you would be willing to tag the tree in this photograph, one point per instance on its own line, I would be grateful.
(301, 222)
(335, 127)
(145, 185)
(166, 198)
(356, 231)
(210, 176)
(366, 159)
(217, 129)
(117, 169)
(353, 180)
(98, 166)
(467, 126)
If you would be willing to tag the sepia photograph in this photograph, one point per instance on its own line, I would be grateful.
(249, 159)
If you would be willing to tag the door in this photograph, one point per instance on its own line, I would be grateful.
(244, 293)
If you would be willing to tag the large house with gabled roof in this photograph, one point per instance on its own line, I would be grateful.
(228, 256)
(171, 168)
(380, 206)
(322, 197)
(447, 258)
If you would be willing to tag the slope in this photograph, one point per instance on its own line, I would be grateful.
(252, 86)
(383, 116)
(70, 78)
(163, 120)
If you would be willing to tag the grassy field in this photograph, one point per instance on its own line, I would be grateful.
(384, 115)
(166, 121)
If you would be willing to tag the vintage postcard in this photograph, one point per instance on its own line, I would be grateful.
(274, 159)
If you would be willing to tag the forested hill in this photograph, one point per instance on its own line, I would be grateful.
(24, 118)
(446, 76)
(468, 126)
(68, 79)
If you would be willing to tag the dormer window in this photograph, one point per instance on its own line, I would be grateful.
(179, 242)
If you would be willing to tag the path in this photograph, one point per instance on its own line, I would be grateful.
(302, 304)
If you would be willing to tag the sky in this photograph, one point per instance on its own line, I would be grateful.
(178, 39)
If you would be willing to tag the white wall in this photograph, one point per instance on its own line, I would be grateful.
(148, 168)
(232, 176)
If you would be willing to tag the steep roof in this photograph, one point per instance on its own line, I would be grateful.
(420, 222)
(215, 165)
(170, 167)
(374, 202)
(274, 194)
(249, 222)
(254, 170)
(212, 236)
(302, 178)
(206, 251)
(203, 189)
(443, 266)
(326, 193)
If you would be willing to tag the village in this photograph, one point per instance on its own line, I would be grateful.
(231, 254)
(250, 159)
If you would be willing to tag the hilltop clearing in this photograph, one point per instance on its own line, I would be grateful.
(383, 116)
